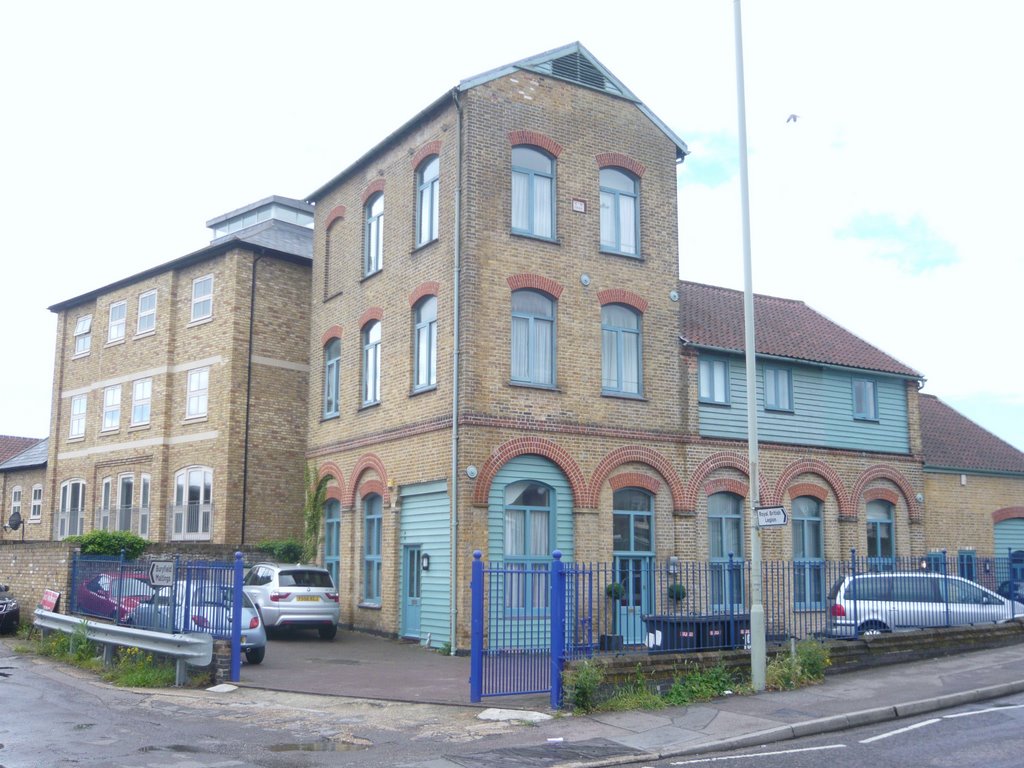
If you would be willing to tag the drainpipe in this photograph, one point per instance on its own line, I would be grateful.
(248, 395)
(454, 531)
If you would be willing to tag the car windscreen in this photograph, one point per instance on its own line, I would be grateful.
(305, 578)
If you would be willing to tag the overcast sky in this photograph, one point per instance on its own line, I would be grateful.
(888, 205)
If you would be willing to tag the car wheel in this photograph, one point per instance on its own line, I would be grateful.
(328, 633)
(255, 655)
(871, 628)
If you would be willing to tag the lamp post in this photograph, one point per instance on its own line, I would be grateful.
(757, 633)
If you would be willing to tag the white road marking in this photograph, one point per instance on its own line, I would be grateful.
(760, 754)
(898, 731)
(983, 711)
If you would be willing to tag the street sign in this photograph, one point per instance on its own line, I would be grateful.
(771, 516)
(161, 573)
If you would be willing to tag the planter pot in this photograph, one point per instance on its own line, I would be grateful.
(610, 642)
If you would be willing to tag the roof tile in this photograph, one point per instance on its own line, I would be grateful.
(952, 441)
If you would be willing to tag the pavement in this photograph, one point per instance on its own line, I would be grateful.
(524, 731)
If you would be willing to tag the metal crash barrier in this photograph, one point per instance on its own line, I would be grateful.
(194, 649)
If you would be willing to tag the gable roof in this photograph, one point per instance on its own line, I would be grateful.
(949, 440)
(711, 317)
(572, 63)
(11, 446)
(35, 456)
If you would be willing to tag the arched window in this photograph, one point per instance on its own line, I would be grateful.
(808, 554)
(332, 539)
(533, 192)
(529, 516)
(725, 537)
(881, 549)
(619, 207)
(37, 502)
(424, 344)
(371, 363)
(193, 504)
(332, 377)
(372, 519)
(427, 187)
(620, 350)
(533, 338)
(374, 246)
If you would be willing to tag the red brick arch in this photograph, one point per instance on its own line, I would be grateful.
(622, 296)
(883, 494)
(712, 464)
(360, 488)
(337, 212)
(429, 288)
(522, 446)
(533, 138)
(726, 485)
(334, 332)
(822, 470)
(535, 282)
(337, 491)
(428, 149)
(1007, 513)
(639, 455)
(882, 472)
(373, 313)
(375, 186)
(807, 489)
(618, 160)
(634, 480)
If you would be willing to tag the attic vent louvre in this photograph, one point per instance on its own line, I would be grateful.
(578, 69)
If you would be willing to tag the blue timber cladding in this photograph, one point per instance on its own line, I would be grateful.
(822, 414)
(541, 470)
(425, 521)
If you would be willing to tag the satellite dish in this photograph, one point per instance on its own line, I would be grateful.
(14, 521)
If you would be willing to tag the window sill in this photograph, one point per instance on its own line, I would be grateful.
(715, 403)
(370, 606)
(35, 520)
(77, 439)
(195, 419)
(109, 432)
(138, 427)
(200, 321)
(144, 335)
(542, 387)
(114, 343)
(623, 254)
(368, 406)
(370, 275)
(623, 396)
(867, 420)
(538, 238)
(423, 246)
(329, 417)
(423, 390)
(783, 411)
(80, 355)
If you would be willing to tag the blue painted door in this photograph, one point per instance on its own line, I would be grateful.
(412, 580)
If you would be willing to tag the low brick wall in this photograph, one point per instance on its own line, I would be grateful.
(660, 669)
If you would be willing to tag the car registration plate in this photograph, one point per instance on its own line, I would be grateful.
(243, 639)
(307, 598)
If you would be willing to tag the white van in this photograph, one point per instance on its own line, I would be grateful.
(871, 603)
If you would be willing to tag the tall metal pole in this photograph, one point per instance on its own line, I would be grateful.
(757, 633)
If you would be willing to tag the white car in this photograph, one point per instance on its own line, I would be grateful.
(302, 596)
(870, 603)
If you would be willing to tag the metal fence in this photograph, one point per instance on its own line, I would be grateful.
(530, 616)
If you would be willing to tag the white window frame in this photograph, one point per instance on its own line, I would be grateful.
(866, 391)
(778, 388)
(70, 517)
(83, 335)
(117, 320)
(145, 491)
(619, 374)
(37, 502)
(142, 402)
(189, 524)
(713, 381)
(332, 378)
(147, 315)
(427, 188)
(103, 518)
(533, 193)
(372, 333)
(197, 395)
(424, 342)
(79, 410)
(202, 303)
(373, 247)
(620, 212)
(111, 409)
(119, 508)
(15, 501)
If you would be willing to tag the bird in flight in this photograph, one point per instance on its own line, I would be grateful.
(792, 118)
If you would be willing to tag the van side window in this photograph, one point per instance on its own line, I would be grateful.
(961, 592)
(912, 589)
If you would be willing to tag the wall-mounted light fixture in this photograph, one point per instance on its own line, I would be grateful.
(425, 562)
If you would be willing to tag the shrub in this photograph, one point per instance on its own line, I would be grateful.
(615, 590)
(806, 666)
(676, 592)
(284, 550)
(581, 685)
(136, 669)
(699, 685)
(110, 543)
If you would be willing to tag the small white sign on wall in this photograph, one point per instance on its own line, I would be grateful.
(771, 516)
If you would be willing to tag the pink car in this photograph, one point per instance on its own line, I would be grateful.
(112, 595)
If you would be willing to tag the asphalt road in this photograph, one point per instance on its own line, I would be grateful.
(990, 734)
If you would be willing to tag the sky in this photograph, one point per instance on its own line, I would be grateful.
(887, 204)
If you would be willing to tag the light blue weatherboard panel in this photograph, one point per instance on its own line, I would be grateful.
(425, 521)
(543, 471)
(822, 412)
(1009, 536)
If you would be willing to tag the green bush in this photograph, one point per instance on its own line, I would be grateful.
(284, 550)
(615, 590)
(580, 686)
(806, 666)
(137, 669)
(676, 592)
(110, 543)
(699, 685)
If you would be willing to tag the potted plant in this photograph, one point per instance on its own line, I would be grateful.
(615, 592)
(676, 592)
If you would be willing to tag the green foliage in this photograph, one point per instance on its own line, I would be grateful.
(676, 592)
(580, 686)
(110, 543)
(445, 649)
(137, 669)
(699, 685)
(313, 513)
(636, 694)
(284, 550)
(807, 666)
(615, 590)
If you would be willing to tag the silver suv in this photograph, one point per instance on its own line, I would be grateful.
(871, 603)
(301, 596)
